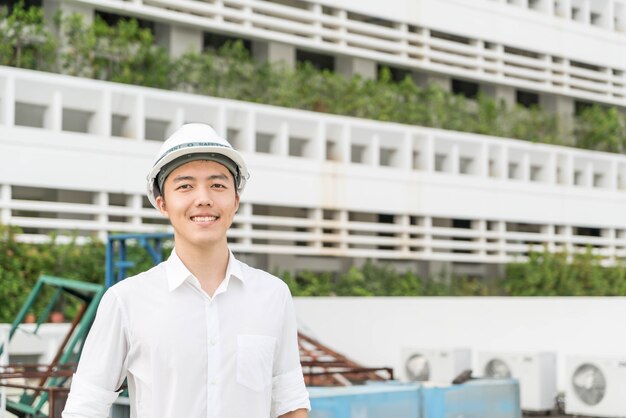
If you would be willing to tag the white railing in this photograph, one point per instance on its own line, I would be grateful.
(608, 15)
(337, 31)
(254, 234)
(285, 221)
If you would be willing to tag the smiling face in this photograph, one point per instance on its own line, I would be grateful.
(200, 200)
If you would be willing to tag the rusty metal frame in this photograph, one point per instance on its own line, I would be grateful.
(51, 378)
(323, 366)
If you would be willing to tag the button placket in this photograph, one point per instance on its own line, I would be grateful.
(213, 357)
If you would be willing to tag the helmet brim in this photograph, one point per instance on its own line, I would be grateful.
(195, 149)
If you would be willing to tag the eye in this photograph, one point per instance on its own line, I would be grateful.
(218, 186)
(184, 187)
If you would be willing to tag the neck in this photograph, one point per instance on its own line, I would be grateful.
(207, 263)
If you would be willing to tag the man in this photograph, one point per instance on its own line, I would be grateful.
(201, 334)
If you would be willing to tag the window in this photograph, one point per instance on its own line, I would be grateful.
(466, 165)
(298, 147)
(587, 232)
(513, 170)
(465, 88)
(598, 180)
(118, 124)
(31, 115)
(156, 129)
(397, 74)
(578, 178)
(535, 172)
(493, 171)
(596, 19)
(331, 151)
(112, 19)
(264, 143)
(357, 154)
(233, 137)
(216, 41)
(526, 98)
(462, 223)
(440, 162)
(387, 156)
(580, 107)
(319, 61)
(75, 120)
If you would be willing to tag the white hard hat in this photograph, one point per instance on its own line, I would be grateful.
(196, 138)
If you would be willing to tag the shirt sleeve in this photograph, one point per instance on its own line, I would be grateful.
(102, 366)
(288, 390)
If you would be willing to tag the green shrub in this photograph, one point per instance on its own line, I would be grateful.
(21, 264)
(544, 274)
(25, 42)
(554, 274)
(124, 53)
(601, 129)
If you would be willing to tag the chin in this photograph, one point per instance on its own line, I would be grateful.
(200, 238)
(207, 241)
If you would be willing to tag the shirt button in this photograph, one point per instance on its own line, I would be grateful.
(212, 342)
(213, 382)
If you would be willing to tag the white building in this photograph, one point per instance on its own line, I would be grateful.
(330, 191)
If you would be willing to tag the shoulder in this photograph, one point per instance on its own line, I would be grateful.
(138, 284)
(261, 280)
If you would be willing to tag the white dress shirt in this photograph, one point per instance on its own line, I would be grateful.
(188, 355)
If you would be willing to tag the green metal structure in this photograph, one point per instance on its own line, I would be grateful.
(37, 401)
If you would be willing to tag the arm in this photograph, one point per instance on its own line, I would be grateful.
(102, 365)
(299, 413)
(289, 395)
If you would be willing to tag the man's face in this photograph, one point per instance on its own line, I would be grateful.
(200, 200)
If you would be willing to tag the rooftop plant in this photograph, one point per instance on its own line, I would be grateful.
(543, 274)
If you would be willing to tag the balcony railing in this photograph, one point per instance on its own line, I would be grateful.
(331, 151)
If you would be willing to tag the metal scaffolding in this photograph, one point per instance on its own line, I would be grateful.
(44, 387)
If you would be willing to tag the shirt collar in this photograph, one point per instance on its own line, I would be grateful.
(177, 273)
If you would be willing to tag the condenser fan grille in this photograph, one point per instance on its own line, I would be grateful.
(589, 384)
(497, 369)
(417, 368)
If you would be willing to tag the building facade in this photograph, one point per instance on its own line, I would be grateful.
(328, 191)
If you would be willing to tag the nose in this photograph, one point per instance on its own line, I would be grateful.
(203, 197)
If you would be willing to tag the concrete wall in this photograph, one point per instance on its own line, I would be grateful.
(374, 331)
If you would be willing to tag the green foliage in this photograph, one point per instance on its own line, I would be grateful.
(123, 53)
(544, 274)
(353, 283)
(534, 125)
(601, 129)
(374, 279)
(21, 264)
(25, 42)
(559, 274)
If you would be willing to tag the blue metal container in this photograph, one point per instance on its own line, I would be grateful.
(370, 401)
(474, 399)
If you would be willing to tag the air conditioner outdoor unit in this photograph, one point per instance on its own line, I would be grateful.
(435, 365)
(535, 371)
(595, 386)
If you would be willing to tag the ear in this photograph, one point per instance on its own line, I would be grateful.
(160, 201)
(236, 202)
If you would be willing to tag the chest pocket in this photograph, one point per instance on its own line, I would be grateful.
(255, 359)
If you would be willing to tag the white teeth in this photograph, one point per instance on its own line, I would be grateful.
(203, 218)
